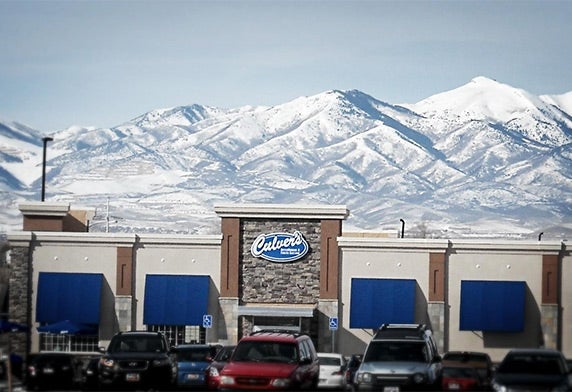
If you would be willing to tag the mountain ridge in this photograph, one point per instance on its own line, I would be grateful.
(455, 159)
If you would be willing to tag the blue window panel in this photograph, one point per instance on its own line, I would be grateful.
(377, 301)
(175, 299)
(68, 296)
(495, 306)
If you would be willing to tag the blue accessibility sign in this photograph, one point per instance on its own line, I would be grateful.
(207, 321)
(333, 323)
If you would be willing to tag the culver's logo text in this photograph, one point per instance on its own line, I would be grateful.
(280, 247)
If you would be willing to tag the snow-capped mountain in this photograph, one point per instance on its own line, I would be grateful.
(485, 159)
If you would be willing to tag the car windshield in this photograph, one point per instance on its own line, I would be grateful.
(532, 364)
(262, 351)
(459, 372)
(224, 354)
(125, 344)
(466, 357)
(329, 361)
(42, 360)
(195, 354)
(396, 351)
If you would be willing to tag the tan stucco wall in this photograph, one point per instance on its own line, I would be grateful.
(385, 258)
(465, 260)
(97, 253)
(183, 255)
(502, 266)
(76, 252)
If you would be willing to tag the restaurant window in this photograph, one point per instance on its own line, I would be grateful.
(69, 343)
(181, 334)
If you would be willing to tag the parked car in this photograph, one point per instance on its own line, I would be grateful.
(51, 371)
(332, 371)
(456, 376)
(192, 363)
(400, 356)
(216, 366)
(480, 361)
(272, 360)
(137, 359)
(351, 369)
(532, 369)
(90, 374)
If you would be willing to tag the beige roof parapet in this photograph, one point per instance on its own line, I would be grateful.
(289, 211)
(44, 208)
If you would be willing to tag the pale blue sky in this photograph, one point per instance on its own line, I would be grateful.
(100, 63)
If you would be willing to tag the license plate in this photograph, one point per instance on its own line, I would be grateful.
(454, 385)
(132, 377)
(391, 389)
(192, 376)
(48, 371)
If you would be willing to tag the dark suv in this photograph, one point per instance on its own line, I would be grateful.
(272, 360)
(137, 359)
(400, 357)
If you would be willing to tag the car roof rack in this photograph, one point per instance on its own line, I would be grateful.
(402, 331)
(276, 331)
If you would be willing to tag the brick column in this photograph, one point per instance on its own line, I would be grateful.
(550, 307)
(436, 305)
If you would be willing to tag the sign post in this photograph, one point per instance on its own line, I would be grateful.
(333, 324)
(207, 324)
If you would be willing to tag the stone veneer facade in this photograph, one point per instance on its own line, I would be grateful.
(19, 296)
(263, 281)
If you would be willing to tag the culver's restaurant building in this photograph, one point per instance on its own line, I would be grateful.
(282, 267)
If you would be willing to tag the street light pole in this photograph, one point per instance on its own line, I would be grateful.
(45, 140)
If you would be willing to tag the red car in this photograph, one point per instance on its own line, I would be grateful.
(215, 368)
(272, 360)
(460, 377)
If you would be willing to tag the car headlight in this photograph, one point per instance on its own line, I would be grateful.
(107, 362)
(418, 378)
(364, 378)
(281, 383)
(213, 372)
(32, 371)
(226, 380)
(498, 387)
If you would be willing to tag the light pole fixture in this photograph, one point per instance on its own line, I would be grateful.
(45, 140)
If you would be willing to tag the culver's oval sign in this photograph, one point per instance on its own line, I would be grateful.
(280, 247)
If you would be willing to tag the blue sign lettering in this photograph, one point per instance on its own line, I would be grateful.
(280, 247)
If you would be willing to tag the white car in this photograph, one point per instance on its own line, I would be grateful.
(332, 371)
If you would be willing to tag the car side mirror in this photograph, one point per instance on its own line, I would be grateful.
(306, 361)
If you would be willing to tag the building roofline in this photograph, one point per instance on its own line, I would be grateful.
(282, 211)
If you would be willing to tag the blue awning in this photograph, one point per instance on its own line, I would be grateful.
(378, 301)
(496, 306)
(175, 299)
(69, 327)
(68, 296)
(9, 326)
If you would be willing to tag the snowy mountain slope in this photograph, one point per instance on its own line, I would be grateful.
(485, 159)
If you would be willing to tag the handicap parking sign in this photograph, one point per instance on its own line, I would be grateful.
(333, 323)
(207, 321)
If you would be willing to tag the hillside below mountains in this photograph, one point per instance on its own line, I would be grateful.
(485, 160)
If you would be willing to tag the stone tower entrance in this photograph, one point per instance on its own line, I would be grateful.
(279, 268)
